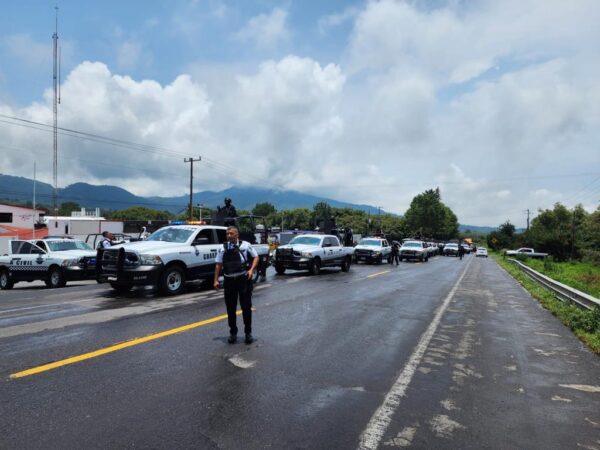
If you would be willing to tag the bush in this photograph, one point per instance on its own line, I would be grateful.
(591, 255)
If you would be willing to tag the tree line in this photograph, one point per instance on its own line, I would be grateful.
(562, 233)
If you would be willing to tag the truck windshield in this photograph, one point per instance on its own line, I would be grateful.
(171, 234)
(306, 240)
(412, 244)
(61, 246)
(370, 242)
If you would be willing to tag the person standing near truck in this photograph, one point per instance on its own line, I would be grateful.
(238, 260)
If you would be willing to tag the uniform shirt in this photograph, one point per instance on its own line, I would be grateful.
(245, 249)
(106, 243)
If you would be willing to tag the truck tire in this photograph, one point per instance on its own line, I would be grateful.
(279, 269)
(121, 288)
(172, 280)
(315, 267)
(379, 260)
(5, 282)
(56, 278)
(346, 264)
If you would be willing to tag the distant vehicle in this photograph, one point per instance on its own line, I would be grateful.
(526, 251)
(372, 250)
(313, 251)
(414, 250)
(55, 261)
(481, 251)
(467, 248)
(451, 249)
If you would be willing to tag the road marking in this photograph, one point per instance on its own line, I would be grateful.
(377, 426)
(117, 347)
(377, 274)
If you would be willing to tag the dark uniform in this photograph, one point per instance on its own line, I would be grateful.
(236, 260)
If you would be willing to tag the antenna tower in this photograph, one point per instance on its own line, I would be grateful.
(55, 114)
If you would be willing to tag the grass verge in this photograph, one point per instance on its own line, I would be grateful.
(584, 323)
(581, 276)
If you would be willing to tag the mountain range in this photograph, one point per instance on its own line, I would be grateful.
(112, 197)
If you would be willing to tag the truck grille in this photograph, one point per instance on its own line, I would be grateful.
(111, 258)
(360, 253)
(287, 254)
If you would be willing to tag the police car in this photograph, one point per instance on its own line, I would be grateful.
(55, 261)
(373, 250)
(168, 258)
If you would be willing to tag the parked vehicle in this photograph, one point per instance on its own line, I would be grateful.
(311, 252)
(414, 250)
(168, 258)
(481, 251)
(526, 251)
(372, 250)
(55, 261)
(451, 249)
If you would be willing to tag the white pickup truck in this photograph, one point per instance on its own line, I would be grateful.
(54, 261)
(525, 251)
(313, 251)
(167, 258)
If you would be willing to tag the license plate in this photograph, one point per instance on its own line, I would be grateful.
(92, 260)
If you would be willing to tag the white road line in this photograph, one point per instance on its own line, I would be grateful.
(377, 426)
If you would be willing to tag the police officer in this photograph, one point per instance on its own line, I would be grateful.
(239, 260)
(108, 240)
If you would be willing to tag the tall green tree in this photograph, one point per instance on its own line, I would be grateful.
(428, 216)
(264, 209)
(67, 208)
(141, 213)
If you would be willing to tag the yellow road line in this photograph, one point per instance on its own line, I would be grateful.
(116, 347)
(377, 274)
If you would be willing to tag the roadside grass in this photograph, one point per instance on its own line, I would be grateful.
(582, 276)
(584, 323)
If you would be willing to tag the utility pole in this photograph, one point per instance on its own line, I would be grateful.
(191, 161)
(33, 212)
(527, 219)
(55, 114)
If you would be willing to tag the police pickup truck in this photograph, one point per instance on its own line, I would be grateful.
(55, 261)
(372, 250)
(168, 258)
(313, 251)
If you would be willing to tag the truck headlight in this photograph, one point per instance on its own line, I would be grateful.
(376, 253)
(307, 254)
(150, 260)
(70, 262)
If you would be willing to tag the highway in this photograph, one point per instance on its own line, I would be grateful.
(445, 354)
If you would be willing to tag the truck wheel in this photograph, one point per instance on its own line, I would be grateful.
(121, 288)
(56, 278)
(379, 260)
(5, 282)
(172, 280)
(346, 264)
(279, 269)
(315, 267)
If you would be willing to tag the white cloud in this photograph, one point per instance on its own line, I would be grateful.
(325, 23)
(24, 48)
(266, 30)
(476, 98)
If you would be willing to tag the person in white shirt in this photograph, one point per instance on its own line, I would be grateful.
(238, 260)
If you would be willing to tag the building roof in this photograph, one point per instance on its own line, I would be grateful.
(22, 207)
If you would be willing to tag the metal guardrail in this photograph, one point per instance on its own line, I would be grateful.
(563, 292)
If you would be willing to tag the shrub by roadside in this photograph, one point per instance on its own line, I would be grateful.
(584, 323)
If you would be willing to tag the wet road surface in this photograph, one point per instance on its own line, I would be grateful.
(446, 354)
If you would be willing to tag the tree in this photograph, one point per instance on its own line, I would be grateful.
(264, 209)
(321, 211)
(141, 213)
(67, 208)
(428, 216)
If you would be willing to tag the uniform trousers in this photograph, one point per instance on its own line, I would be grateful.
(238, 288)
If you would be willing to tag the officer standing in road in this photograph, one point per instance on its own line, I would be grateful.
(461, 250)
(239, 260)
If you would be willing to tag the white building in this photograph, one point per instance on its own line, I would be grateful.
(19, 216)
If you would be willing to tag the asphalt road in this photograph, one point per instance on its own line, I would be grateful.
(445, 354)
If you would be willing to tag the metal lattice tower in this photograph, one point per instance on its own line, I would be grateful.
(55, 114)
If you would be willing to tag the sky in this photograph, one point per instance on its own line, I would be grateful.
(497, 103)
